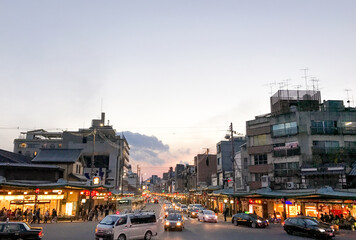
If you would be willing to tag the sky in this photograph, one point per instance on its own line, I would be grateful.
(171, 75)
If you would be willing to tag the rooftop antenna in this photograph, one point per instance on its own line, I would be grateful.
(101, 107)
(348, 97)
(298, 87)
(286, 81)
(315, 84)
(271, 87)
(305, 77)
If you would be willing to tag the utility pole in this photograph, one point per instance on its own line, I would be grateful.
(92, 170)
(233, 157)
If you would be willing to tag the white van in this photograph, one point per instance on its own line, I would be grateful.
(127, 226)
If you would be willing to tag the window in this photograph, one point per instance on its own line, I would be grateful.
(350, 144)
(286, 149)
(284, 129)
(259, 140)
(260, 159)
(286, 169)
(245, 163)
(324, 127)
(326, 144)
(219, 161)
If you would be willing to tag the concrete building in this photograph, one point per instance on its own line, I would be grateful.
(179, 178)
(110, 150)
(302, 143)
(224, 159)
(30, 142)
(241, 168)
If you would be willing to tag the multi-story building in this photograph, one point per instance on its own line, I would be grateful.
(205, 166)
(30, 142)
(241, 168)
(224, 159)
(179, 178)
(302, 143)
(99, 143)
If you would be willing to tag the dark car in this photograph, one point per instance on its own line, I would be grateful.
(251, 220)
(193, 212)
(307, 226)
(19, 230)
(174, 221)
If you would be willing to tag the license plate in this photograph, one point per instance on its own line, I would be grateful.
(101, 238)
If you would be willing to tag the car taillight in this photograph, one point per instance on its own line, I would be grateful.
(40, 234)
(283, 223)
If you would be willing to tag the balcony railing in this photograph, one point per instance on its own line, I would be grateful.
(322, 151)
(286, 152)
(348, 130)
(324, 130)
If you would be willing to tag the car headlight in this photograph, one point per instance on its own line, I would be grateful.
(216, 216)
(167, 223)
(321, 230)
(178, 224)
(259, 221)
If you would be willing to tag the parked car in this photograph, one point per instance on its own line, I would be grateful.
(334, 227)
(307, 226)
(251, 220)
(127, 226)
(19, 230)
(207, 216)
(174, 221)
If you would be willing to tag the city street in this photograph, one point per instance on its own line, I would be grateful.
(193, 230)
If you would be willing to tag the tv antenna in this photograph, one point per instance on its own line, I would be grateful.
(270, 85)
(305, 70)
(348, 97)
(315, 82)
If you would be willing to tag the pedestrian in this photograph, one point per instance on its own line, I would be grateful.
(225, 213)
(106, 211)
(54, 215)
(96, 214)
(46, 216)
(38, 215)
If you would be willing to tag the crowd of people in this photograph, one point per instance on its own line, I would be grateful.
(29, 215)
(94, 213)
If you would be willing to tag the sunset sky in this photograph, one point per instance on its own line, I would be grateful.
(171, 75)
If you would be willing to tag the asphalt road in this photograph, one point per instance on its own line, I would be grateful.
(193, 230)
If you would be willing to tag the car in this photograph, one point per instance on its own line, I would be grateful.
(307, 226)
(174, 221)
(193, 212)
(19, 230)
(334, 227)
(251, 220)
(156, 201)
(207, 216)
(184, 208)
(127, 226)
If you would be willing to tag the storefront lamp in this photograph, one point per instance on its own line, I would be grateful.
(71, 193)
(25, 193)
(225, 200)
(9, 193)
(46, 192)
(96, 181)
(231, 201)
(37, 191)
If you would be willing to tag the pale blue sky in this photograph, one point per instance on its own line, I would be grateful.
(178, 70)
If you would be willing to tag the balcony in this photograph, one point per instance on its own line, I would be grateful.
(348, 130)
(325, 151)
(324, 130)
(286, 152)
(262, 168)
(286, 173)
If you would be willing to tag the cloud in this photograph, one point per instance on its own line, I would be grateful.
(145, 148)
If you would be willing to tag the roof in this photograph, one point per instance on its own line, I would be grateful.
(79, 177)
(353, 170)
(10, 157)
(27, 165)
(57, 156)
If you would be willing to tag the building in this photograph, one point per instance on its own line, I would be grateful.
(179, 178)
(205, 166)
(224, 159)
(30, 142)
(70, 160)
(241, 168)
(100, 143)
(301, 143)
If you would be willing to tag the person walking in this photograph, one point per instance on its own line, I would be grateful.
(54, 215)
(38, 215)
(226, 211)
(46, 216)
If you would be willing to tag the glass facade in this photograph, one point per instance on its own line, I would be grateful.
(284, 129)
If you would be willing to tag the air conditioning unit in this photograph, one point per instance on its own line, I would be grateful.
(264, 181)
(290, 185)
(303, 185)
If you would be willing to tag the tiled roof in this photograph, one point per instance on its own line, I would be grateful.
(10, 157)
(57, 156)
